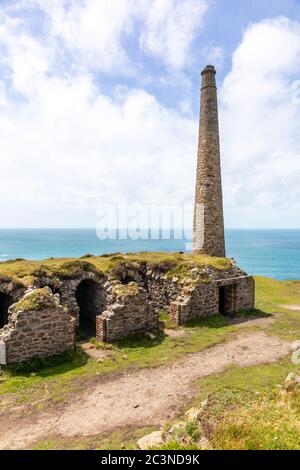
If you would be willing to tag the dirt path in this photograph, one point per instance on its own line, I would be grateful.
(296, 308)
(140, 398)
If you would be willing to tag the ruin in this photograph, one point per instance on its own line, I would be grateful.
(116, 296)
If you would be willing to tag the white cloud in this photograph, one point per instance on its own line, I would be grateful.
(93, 30)
(260, 119)
(67, 146)
(170, 27)
(73, 147)
(215, 55)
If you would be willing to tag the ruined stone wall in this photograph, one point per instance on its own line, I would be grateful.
(128, 316)
(119, 304)
(40, 330)
(67, 290)
(245, 294)
(197, 302)
(162, 291)
(203, 300)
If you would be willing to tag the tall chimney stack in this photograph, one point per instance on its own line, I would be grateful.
(208, 233)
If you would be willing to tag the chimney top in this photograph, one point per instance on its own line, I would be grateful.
(209, 68)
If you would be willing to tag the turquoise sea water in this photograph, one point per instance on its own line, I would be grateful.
(271, 253)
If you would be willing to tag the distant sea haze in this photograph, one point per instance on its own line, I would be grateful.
(270, 253)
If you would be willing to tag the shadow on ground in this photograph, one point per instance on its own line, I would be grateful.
(49, 366)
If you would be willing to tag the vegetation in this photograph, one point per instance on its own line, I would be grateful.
(38, 299)
(245, 408)
(124, 290)
(255, 407)
(25, 271)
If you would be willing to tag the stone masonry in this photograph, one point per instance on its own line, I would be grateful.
(130, 313)
(115, 305)
(203, 300)
(38, 327)
(208, 237)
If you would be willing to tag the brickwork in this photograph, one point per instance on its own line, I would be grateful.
(208, 218)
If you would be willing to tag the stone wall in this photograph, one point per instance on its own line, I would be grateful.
(67, 289)
(245, 294)
(162, 291)
(203, 300)
(195, 302)
(129, 315)
(113, 306)
(38, 327)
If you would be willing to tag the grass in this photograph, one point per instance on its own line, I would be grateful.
(24, 271)
(38, 299)
(124, 439)
(141, 352)
(126, 290)
(271, 423)
(275, 296)
(131, 353)
(245, 409)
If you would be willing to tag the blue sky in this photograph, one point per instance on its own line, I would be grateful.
(99, 103)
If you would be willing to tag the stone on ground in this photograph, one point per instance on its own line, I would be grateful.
(151, 440)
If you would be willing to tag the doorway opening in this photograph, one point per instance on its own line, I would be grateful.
(91, 301)
(222, 302)
(5, 302)
(227, 300)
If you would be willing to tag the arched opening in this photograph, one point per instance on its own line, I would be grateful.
(91, 301)
(5, 302)
(127, 279)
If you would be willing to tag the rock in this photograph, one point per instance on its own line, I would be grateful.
(151, 440)
(125, 356)
(296, 345)
(175, 280)
(204, 443)
(193, 414)
(150, 335)
(291, 382)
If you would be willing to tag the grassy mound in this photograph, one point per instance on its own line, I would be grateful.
(173, 264)
(36, 300)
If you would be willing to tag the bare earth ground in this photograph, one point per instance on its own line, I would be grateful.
(296, 308)
(139, 398)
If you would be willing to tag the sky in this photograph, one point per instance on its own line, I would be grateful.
(99, 104)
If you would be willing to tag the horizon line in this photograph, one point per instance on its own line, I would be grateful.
(144, 228)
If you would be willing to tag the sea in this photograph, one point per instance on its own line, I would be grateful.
(270, 253)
